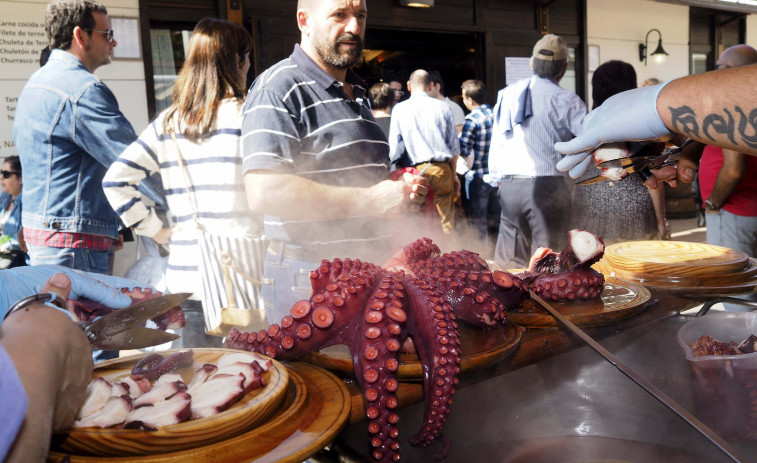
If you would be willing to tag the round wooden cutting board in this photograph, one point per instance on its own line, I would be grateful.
(679, 258)
(255, 407)
(480, 349)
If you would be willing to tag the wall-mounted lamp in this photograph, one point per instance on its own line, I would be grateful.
(417, 3)
(658, 55)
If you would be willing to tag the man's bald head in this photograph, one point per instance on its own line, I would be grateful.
(737, 56)
(305, 4)
(419, 80)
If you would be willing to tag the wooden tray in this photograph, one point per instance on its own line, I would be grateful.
(253, 408)
(480, 348)
(740, 282)
(679, 258)
(619, 300)
(314, 411)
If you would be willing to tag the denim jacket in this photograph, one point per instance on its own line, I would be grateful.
(68, 130)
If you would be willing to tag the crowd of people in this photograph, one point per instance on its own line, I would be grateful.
(323, 167)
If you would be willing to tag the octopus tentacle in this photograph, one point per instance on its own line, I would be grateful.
(375, 361)
(436, 337)
(579, 283)
(417, 251)
(456, 260)
(312, 324)
(567, 275)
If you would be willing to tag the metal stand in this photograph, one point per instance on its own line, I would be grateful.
(729, 300)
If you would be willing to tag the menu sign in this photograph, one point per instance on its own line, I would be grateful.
(22, 38)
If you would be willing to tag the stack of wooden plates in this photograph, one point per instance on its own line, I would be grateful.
(300, 410)
(681, 266)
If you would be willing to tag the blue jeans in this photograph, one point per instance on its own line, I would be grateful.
(76, 258)
(79, 259)
(737, 232)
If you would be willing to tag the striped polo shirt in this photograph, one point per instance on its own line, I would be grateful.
(299, 120)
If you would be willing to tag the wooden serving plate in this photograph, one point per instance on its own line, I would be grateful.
(619, 300)
(480, 349)
(740, 282)
(252, 409)
(679, 258)
(315, 409)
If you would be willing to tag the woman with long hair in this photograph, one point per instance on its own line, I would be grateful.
(195, 145)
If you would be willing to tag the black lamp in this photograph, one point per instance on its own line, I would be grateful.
(659, 54)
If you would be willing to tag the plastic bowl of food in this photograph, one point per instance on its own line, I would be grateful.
(724, 377)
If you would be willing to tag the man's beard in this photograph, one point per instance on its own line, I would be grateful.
(330, 54)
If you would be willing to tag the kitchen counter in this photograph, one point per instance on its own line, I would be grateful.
(555, 399)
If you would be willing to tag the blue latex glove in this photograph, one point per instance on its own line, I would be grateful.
(627, 116)
(19, 282)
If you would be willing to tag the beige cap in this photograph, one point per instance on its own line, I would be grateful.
(551, 48)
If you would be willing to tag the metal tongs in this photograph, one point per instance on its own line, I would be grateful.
(122, 328)
(641, 163)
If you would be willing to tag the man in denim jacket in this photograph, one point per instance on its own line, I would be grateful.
(68, 130)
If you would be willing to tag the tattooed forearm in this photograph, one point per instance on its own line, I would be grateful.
(684, 121)
(720, 124)
(748, 127)
(716, 126)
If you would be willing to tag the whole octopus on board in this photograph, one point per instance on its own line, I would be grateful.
(421, 295)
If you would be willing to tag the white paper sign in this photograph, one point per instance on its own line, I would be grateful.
(517, 68)
(126, 33)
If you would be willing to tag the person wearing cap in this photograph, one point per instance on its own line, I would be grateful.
(530, 116)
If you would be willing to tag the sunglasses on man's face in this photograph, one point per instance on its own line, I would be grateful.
(8, 173)
(108, 33)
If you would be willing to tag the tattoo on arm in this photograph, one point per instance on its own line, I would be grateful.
(684, 121)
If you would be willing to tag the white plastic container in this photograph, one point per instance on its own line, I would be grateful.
(725, 386)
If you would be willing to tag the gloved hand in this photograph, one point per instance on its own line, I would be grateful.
(19, 282)
(627, 116)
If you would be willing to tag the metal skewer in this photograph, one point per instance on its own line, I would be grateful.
(646, 385)
(423, 171)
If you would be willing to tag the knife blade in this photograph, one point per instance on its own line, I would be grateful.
(107, 326)
(136, 337)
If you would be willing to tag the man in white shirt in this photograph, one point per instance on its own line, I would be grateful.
(425, 126)
(529, 117)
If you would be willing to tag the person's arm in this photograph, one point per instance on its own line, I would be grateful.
(122, 180)
(715, 108)
(729, 176)
(53, 360)
(292, 197)
(658, 201)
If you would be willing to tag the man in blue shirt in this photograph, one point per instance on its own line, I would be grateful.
(483, 205)
(426, 126)
(68, 130)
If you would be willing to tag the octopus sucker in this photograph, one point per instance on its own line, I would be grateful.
(415, 299)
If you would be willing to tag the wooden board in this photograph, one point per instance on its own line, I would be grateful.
(680, 258)
(480, 348)
(620, 299)
(314, 411)
(740, 282)
(253, 408)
